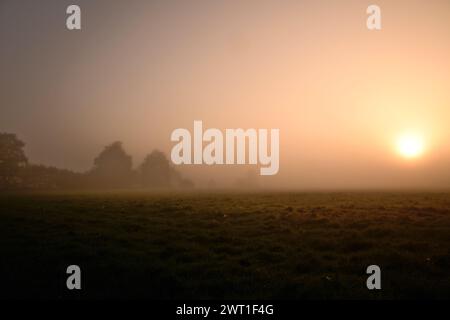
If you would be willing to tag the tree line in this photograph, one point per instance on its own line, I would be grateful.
(112, 168)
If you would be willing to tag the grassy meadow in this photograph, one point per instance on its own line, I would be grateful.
(225, 245)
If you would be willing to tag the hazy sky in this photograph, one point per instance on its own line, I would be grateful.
(340, 94)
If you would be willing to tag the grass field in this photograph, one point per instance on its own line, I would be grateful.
(226, 245)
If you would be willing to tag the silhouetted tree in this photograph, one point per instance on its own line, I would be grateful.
(12, 160)
(155, 170)
(112, 167)
(40, 177)
(177, 180)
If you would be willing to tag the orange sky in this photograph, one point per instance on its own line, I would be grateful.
(340, 94)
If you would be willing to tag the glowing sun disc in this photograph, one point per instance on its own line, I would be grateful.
(410, 145)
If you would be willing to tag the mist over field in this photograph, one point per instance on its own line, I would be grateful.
(340, 94)
(358, 123)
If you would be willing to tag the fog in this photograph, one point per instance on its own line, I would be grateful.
(339, 94)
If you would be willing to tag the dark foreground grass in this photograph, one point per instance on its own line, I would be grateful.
(262, 245)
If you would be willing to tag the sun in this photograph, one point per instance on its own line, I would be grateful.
(410, 145)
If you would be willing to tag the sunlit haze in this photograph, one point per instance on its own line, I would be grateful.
(342, 96)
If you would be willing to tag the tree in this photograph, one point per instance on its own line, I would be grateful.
(112, 167)
(155, 170)
(178, 181)
(12, 160)
(40, 177)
